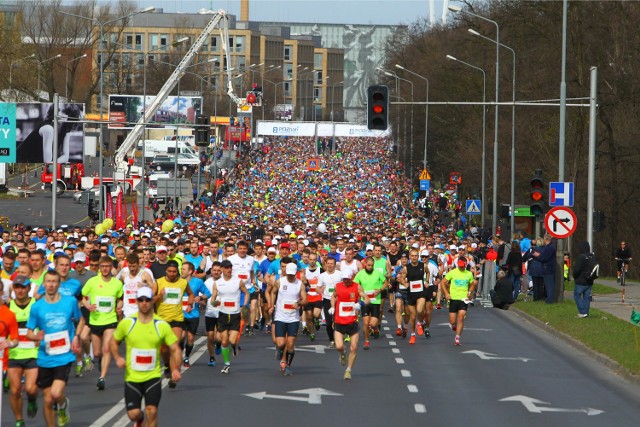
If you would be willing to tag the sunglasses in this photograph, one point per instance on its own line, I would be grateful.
(143, 299)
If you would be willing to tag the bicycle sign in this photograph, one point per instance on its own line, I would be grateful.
(560, 222)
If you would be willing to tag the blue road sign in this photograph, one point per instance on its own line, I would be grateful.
(424, 184)
(561, 194)
(473, 207)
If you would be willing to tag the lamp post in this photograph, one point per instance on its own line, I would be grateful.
(271, 68)
(101, 25)
(484, 128)
(426, 110)
(299, 93)
(494, 217)
(513, 128)
(11, 68)
(333, 86)
(39, 63)
(66, 75)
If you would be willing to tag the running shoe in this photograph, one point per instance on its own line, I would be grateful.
(419, 329)
(343, 358)
(287, 371)
(32, 408)
(399, 332)
(167, 372)
(404, 332)
(283, 365)
(439, 306)
(305, 330)
(268, 328)
(217, 348)
(347, 338)
(347, 375)
(226, 369)
(20, 423)
(212, 362)
(312, 337)
(453, 327)
(78, 370)
(427, 334)
(457, 340)
(101, 384)
(332, 344)
(316, 323)
(366, 345)
(172, 384)
(412, 340)
(88, 364)
(391, 310)
(185, 362)
(63, 413)
(376, 332)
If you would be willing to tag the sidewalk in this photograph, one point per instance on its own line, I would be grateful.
(612, 303)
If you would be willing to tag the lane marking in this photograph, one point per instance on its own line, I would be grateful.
(412, 388)
(392, 343)
(119, 407)
(399, 360)
(384, 321)
(388, 336)
(420, 408)
(405, 373)
(385, 328)
(395, 350)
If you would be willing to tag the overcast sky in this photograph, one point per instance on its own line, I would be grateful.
(388, 12)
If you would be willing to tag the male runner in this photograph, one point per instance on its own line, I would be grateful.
(313, 308)
(373, 283)
(192, 317)
(458, 286)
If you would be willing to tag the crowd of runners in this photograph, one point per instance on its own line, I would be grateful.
(287, 251)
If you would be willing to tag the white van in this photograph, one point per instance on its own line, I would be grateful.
(152, 192)
(160, 146)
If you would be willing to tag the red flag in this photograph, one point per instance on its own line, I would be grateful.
(108, 210)
(125, 214)
(134, 212)
(119, 211)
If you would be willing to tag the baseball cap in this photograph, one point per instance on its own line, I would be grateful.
(285, 246)
(424, 253)
(144, 292)
(291, 268)
(462, 262)
(272, 249)
(415, 246)
(161, 248)
(453, 248)
(369, 247)
(345, 274)
(21, 280)
(80, 257)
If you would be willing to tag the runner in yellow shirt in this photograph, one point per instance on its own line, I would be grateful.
(458, 285)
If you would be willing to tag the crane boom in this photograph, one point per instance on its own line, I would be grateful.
(129, 144)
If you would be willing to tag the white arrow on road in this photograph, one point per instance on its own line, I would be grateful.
(490, 356)
(531, 404)
(465, 328)
(319, 349)
(314, 395)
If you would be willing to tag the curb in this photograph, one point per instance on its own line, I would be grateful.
(580, 346)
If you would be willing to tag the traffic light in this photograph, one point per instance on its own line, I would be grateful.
(537, 194)
(202, 131)
(377, 107)
(598, 221)
(254, 96)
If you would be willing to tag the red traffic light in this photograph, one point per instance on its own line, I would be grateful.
(536, 196)
(378, 109)
(251, 98)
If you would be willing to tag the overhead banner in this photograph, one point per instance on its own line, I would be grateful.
(128, 109)
(34, 133)
(352, 129)
(7, 133)
(324, 129)
(275, 128)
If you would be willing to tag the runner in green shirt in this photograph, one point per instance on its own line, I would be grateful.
(373, 282)
(458, 285)
(144, 333)
(104, 301)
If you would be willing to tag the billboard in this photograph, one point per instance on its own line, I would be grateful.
(34, 133)
(7, 133)
(286, 129)
(283, 112)
(125, 110)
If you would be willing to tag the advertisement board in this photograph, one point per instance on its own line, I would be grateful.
(352, 129)
(125, 110)
(34, 133)
(7, 133)
(275, 128)
(324, 129)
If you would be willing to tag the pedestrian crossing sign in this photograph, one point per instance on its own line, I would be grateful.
(473, 207)
(425, 176)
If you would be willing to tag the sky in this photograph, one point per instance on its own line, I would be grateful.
(390, 12)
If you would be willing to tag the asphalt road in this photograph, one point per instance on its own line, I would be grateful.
(507, 372)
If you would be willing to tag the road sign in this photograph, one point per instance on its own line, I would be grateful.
(424, 175)
(473, 207)
(532, 405)
(561, 194)
(424, 184)
(560, 222)
(314, 395)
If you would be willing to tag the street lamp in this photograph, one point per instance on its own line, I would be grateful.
(426, 110)
(271, 68)
(484, 127)
(66, 75)
(494, 217)
(39, 63)
(513, 128)
(15, 62)
(333, 86)
(101, 25)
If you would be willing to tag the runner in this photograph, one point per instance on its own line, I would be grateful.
(344, 307)
(212, 314)
(22, 358)
(313, 308)
(134, 277)
(285, 299)
(228, 288)
(56, 317)
(414, 280)
(464, 285)
(373, 283)
(168, 300)
(243, 270)
(104, 301)
(192, 317)
(401, 295)
(326, 285)
(144, 334)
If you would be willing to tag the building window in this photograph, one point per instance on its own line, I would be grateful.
(163, 40)
(318, 77)
(287, 88)
(317, 94)
(317, 60)
(287, 71)
(240, 44)
(287, 53)
(153, 41)
(138, 42)
(128, 41)
(214, 44)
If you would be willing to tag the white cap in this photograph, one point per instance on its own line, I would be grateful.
(80, 257)
(272, 249)
(345, 274)
(424, 252)
(369, 247)
(415, 246)
(306, 242)
(291, 268)
(474, 245)
(144, 292)
(453, 248)
(161, 248)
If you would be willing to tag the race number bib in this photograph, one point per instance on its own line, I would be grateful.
(143, 360)
(289, 306)
(105, 304)
(172, 296)
(229, 304)
(57, 343)
(23, 341)
(416, 286)
(345, 309)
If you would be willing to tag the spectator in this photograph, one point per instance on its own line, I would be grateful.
(502, 293)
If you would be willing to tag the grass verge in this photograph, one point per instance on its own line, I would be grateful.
(601, 332)
(597, 288)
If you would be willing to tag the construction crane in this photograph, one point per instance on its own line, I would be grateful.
(128, 146)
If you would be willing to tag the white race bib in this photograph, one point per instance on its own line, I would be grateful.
(345, 309)
(104, 304)
(289, 306)
(130, 296)
(416, 286)
(57, 343)
(371, 294)
(229, 303)
(143, 360)
(23, 341)
(172, 295)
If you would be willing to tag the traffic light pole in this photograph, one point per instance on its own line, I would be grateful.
(591, 180)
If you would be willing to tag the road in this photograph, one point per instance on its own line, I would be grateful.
(507, 372)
